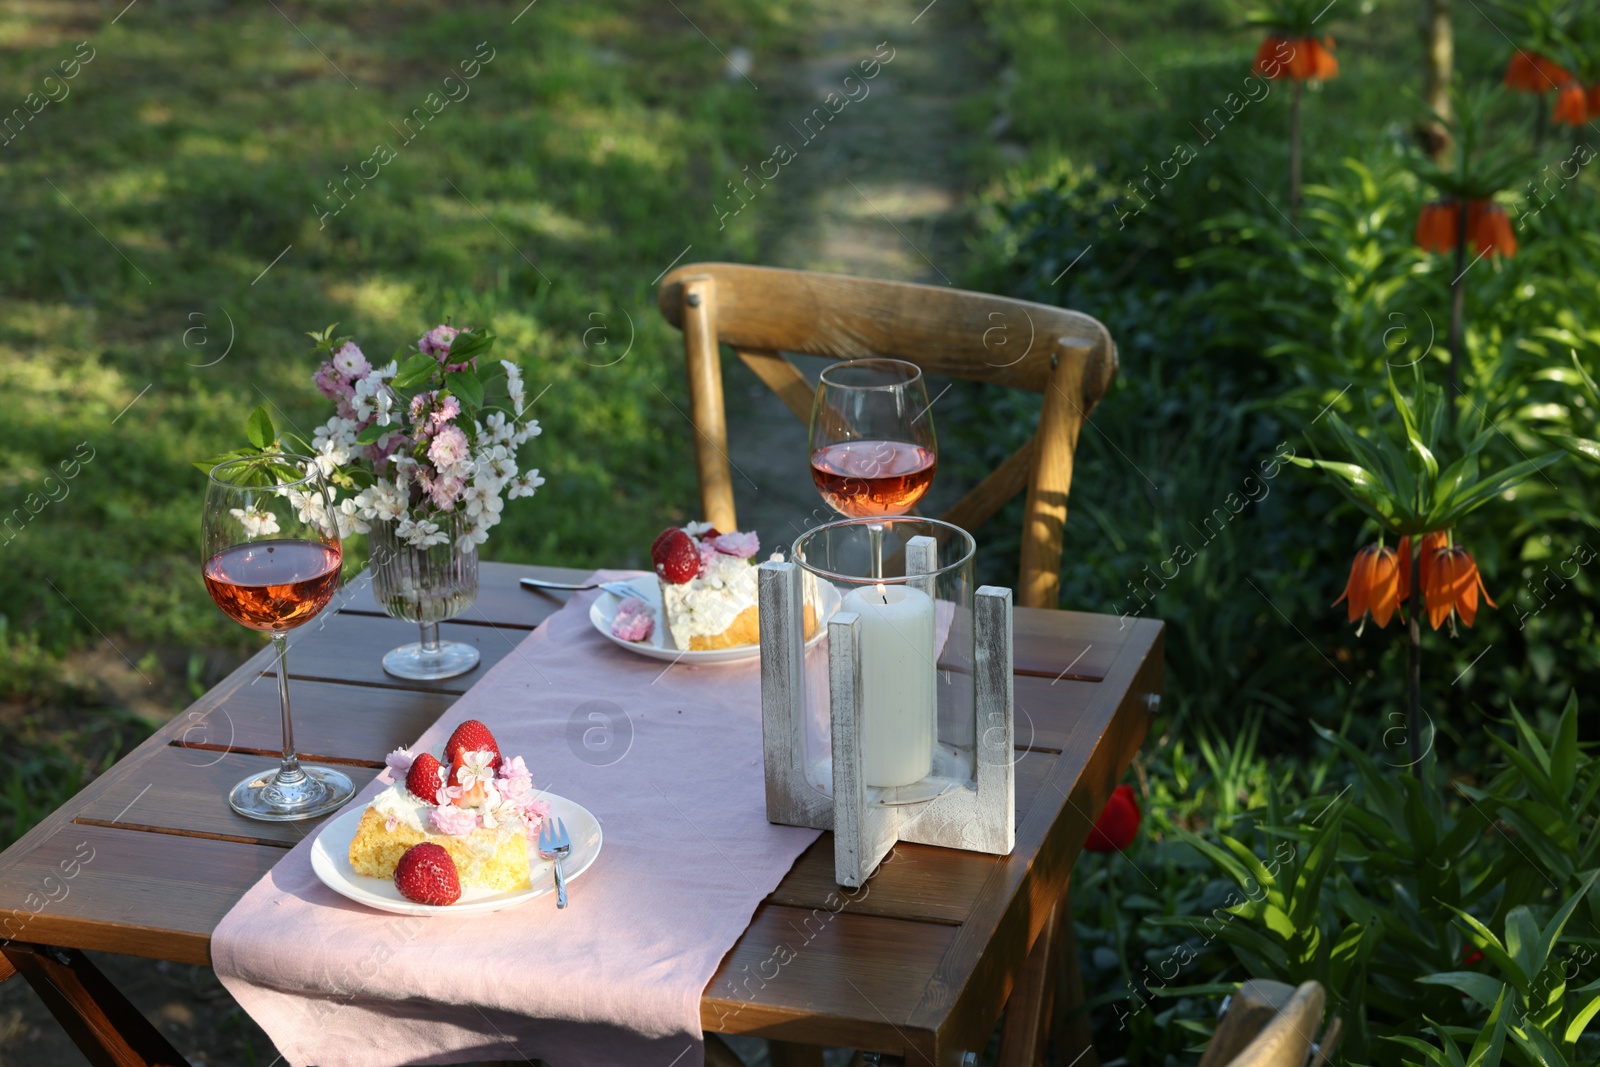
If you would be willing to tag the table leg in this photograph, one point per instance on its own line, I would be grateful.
(791, 1054)
(106, 1028)
(1026, 1028)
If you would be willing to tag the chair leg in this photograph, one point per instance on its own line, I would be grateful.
(791, 1054)
(106, 1028)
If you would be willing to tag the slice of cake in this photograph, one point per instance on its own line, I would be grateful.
(708, 587)
(477, 806)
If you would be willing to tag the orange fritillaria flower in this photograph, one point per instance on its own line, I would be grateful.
(1572, 106)
(1489, 229)
(1374, 585)
(1520, 73)
(1452, 586)
(1437, 226)
(1431, 543)
(1308, 58)
(1268, 56)
(1529, 72)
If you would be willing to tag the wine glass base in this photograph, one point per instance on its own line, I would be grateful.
(317, 791)
(452, 658)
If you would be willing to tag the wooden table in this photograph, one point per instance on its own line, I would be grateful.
(148, 858)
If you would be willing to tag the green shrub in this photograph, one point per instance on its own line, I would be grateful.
(1400, 893)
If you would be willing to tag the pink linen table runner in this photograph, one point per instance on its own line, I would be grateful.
(616, 977)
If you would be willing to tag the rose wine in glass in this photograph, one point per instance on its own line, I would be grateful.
(873, 450)
(270, 545)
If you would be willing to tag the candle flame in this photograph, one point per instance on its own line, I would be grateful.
(883, 593)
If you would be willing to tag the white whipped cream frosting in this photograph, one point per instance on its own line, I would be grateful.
(707, 604)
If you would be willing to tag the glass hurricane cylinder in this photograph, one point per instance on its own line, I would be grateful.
(918, 710)
(426, 586)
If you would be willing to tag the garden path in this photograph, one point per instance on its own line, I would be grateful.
(880, 191)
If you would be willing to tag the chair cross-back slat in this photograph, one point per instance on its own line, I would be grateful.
(762, 312)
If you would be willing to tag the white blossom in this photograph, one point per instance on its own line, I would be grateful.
(526, 485)
(514, 385)
(421, 534)
(256, 523)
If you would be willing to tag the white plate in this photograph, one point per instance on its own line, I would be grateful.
(659, 644)
(330, 859)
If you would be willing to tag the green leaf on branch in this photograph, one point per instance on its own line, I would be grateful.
(466, 387)
(470, 344)
(415, 371)
(258, 428)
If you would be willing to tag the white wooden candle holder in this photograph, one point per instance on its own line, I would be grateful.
(973, 784)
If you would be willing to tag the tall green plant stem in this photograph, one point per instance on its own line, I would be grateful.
(1414, 666)
(1294, 152)
(1458, 304)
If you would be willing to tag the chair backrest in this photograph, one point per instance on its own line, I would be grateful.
(763, 312)
(1271, 1024)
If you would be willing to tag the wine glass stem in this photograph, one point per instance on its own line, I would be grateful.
(289, 771)
(875, 541)
(430, 638)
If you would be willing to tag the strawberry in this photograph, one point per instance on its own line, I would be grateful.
(655, 546)
(427, 875)
(471, 736)
(676, 558)
(710, 535)
(424, 778)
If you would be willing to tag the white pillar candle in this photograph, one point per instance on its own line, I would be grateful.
(898, 682)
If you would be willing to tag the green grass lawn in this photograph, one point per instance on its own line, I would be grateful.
(214, 180)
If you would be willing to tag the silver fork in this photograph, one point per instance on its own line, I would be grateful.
(621, 589)
(555, 845)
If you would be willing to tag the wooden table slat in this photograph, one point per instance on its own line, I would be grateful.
(185, 790)
(349, 649)
(139, 894)
(342, 723)
(823, 976)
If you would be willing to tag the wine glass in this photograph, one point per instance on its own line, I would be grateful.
(270, 544)
(873, 450)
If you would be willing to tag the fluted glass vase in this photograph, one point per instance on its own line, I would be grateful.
(426, 586)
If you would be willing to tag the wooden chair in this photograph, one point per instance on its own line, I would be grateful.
(1271, 1024)
(762, 312)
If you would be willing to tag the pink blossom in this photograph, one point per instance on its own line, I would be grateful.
(516, 791)
(514, 768)
(331, 384)
(445, 492)
(708, 555)
(436, 342)
(400, 760)
(419, 404)
(449, 449)
(449, 819)
(349, 361)
(448, 409)
(743, 545)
